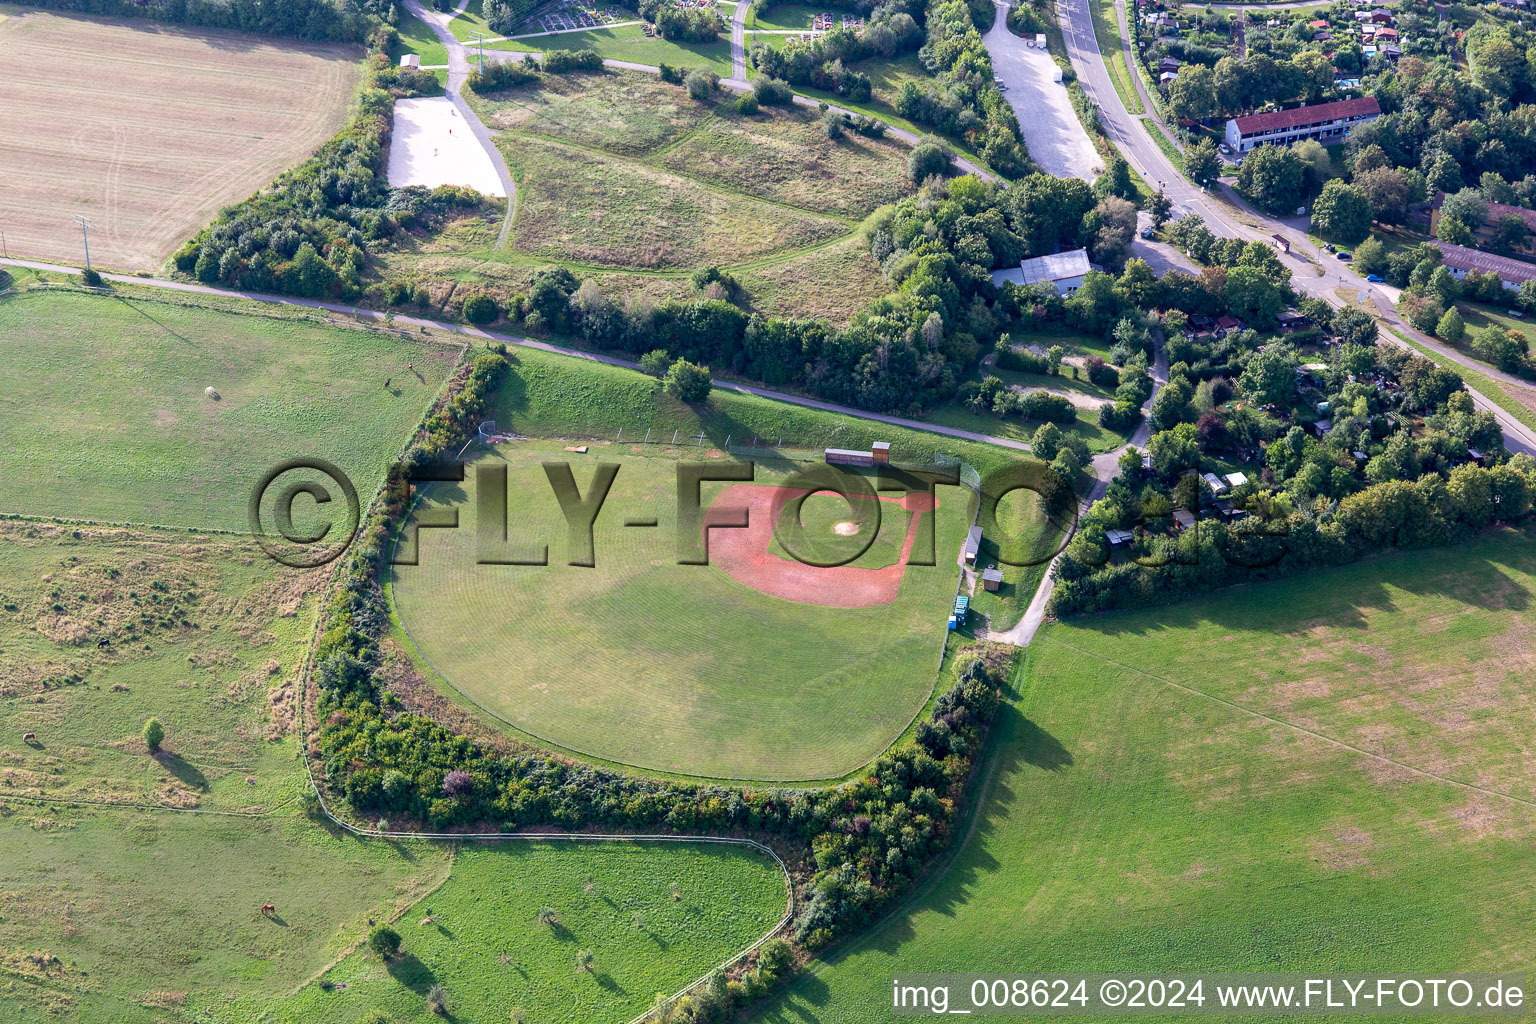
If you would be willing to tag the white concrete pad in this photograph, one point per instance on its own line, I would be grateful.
(431, 145)
(1055, 137)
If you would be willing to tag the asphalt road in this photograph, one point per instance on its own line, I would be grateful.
(1052, 132)
(1314, 272)
(458, 73)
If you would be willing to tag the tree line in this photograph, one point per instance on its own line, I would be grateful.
(862, 842)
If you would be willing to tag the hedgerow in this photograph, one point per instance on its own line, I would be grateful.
(308, 233)
(861, 843)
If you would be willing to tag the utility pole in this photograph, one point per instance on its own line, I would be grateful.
(85, 232)
(480, 39)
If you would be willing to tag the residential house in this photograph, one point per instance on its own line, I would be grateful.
(1460, 260)
(1321, 121)
(1496, 213)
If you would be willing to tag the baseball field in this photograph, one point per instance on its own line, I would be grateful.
(147, 130)
(755, 666)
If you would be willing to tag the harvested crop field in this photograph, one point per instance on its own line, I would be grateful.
(165, 127)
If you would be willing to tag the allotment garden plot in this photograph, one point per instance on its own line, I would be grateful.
(148, 130)
(726, 670)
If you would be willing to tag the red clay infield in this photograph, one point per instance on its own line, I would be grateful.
(742, 552)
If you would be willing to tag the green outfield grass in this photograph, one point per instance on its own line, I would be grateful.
(1193, 789)
(106, 416)
(654, 918)
(682, 668)
(564, 396)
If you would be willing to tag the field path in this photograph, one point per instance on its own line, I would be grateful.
(458, 74)
(542, 346)
(735, 84)
(1104, 468)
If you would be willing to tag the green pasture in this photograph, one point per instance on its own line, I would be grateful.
(654, 917)
(1277, 777)
(103, 629)
(681, 668)
(164, 910)
(630, 43)
(107, 419)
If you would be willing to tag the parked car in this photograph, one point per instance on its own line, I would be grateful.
(1146, 232)
(1346, 256)
(1374, 278)
(1517, 314)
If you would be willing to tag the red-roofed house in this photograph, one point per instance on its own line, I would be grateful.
(1322, 121)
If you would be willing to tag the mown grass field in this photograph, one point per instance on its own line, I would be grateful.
(107, 419)
(629, 42)
(682, 668)
(163, 910)
(654, 918)
(550, 395)
(1261, 780)
(586, 207)
(169, 125)
(417, 37)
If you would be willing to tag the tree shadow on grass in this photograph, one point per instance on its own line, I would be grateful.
(412, 973)
(1346, 596)
(183, 769)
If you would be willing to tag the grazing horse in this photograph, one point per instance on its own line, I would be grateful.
(30, 737)
(268, 909)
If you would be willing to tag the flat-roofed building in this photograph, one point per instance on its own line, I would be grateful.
(1065, 270)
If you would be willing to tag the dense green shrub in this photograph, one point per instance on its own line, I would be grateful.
(773, 92)
(687, 381)
(558, 62)
(702, 84)
(384, 941)
(503, 74)
(480, 309)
